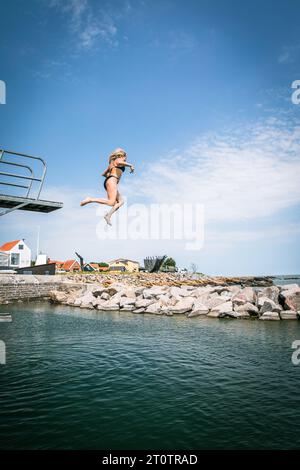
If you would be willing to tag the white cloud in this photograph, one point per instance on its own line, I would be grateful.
(245, 173)
(88, 25)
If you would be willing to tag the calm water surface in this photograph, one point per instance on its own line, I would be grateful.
(79, 379)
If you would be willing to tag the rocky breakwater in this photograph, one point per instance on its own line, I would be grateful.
(269, 303)
(168, 279)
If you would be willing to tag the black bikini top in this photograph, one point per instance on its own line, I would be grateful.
(120, 168)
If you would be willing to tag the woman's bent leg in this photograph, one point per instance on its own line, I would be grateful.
(111, 188)
(119, 203)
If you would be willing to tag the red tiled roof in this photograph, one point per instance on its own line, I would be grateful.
(58, 263)
(9, 245)
(69, 263)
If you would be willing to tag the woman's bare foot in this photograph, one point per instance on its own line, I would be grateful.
(85, 201)
(107, 219)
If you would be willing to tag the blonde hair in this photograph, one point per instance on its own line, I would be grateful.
(117, 153)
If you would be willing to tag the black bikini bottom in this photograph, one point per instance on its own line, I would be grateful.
(111, 176)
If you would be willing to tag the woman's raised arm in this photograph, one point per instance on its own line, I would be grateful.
(122, 163)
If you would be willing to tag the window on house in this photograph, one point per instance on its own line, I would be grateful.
(14, 259)
(21, 247)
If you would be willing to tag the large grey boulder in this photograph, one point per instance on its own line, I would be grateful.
(201, 293)
(153, 291)
(127, 308)
(139, 310)
(247, 307)
(215, 314)
(57, 296)
(139, 290)
(164, 300)
(98, 301)
(97, 291)
(223, 308)
(116, 298)
(213, 301)
(173, 300)
(71, 298)
(184, 291)
(108, 305)
(290, 287)
(184, 305)
(166, 310)
(289, 315)
(269, 316)
(126, 301)
(154, 308)
(240, 315)
(290, 301)
(175, 291)
(203, 290)
(104, 296)
(244, 295)
(187, 293)
(225, 297)
(294, 290)
(129, 292)
(271, 292)
(85, 301)
(250, 294)
(144, 303)
(198, 309)
(234, 289)
(203, 298)
(267, 305)
(220, 289)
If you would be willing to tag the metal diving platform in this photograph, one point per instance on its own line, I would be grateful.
(27, 177)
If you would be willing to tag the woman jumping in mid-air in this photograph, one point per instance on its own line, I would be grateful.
(113, 173)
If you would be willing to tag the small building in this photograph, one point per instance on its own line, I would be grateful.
(91, 267)
(103, 268)
(122, 264)
(19, 254)
(58, 265)
(71, 265)
(41, 259)
(41, 269)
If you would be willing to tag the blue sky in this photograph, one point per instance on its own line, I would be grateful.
(197, 92)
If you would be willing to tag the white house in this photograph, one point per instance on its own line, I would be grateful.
(19, 253)
(41, 259)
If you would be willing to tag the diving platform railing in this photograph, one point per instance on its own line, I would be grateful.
(28, 201)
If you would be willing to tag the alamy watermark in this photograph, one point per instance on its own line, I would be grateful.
(296, 353)
(156, 222)
(2, 92)
(2, 353)
(296, 94)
